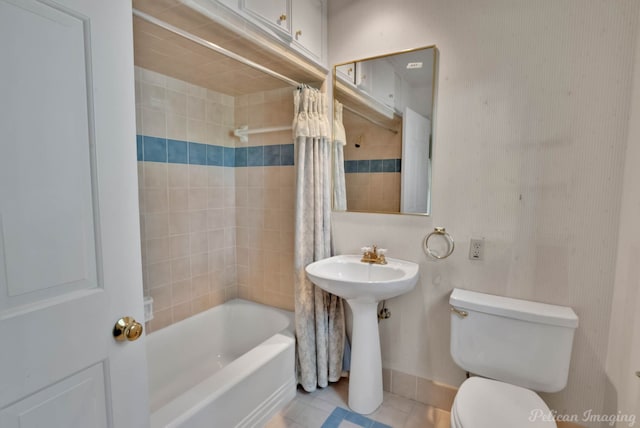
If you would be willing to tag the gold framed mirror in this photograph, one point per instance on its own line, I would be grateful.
(383, 128)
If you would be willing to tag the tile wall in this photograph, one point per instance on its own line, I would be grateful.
(265, 198)
(373, 191)
(372, 170)
(216, 213)
(187, 207)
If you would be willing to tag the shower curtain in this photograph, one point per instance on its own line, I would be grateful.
(319, 316)
(339, 141)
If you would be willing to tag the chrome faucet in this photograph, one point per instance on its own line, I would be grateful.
(373, 255)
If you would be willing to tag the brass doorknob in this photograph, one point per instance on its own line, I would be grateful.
(127, 328)
(283, 17)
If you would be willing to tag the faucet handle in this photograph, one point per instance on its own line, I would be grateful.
(382, 251)
(365, 249)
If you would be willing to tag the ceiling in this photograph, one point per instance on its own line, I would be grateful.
(416, 77)
(162, 51)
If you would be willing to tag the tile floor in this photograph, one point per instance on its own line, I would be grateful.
(327, 408)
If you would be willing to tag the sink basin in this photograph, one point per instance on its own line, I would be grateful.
(346, 276)
(363, 285)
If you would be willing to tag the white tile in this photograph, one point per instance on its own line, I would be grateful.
(347, 424)
(335, 393)
(153, 96)
(390, 416)
(152, 77)
(279, 421)
(176, 85)
(322, 404)
(423, 416)
(397, 402)
(293, 409)
(310, 417)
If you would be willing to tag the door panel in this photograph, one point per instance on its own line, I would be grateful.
(77, 401)
(48, 142)
(69, 233)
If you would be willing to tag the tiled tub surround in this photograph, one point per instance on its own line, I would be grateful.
(265, 201)
(373, 191)
(188, 233)
(372, 166)
(205, 202)
(373, 184)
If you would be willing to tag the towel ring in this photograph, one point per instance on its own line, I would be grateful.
(439, 231)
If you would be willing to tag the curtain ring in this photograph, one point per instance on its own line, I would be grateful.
(439, 231)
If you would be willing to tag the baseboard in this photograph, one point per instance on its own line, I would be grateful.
(416, 388)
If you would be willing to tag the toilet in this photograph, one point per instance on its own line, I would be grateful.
(513, 347)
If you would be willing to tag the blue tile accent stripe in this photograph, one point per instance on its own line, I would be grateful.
(154, 149)
(215, 155)
(197, 154)
(139, 147)
(339, 414)
(177, 151)
(373, 165)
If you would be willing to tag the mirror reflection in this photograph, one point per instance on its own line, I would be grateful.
(383, 110)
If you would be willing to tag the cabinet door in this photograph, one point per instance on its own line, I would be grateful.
(363, 76)
(347, 72)
(275, 13)
(383, 82)
(308, 25)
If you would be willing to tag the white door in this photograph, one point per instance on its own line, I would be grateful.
(69, 234)
(415, 169)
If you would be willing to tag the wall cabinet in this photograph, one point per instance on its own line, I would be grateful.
(378, 79)
(383, 82)
(300, 23)
(274, 13)
(308, 25)
(347, 72)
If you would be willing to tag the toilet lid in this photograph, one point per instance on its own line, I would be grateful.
(485, 403)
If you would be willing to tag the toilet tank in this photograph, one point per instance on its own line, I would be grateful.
(516, 341)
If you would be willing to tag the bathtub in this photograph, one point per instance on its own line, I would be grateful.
(230, 366)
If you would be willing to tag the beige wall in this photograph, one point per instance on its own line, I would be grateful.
(530, 139)
(623, 356)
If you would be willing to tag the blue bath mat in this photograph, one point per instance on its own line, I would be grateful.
(339, 415)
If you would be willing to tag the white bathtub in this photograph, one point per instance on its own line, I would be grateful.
(230, 366)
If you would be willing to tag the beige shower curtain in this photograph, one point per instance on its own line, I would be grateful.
(319, 316)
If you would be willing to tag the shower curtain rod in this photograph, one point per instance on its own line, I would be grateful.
(212, 46)
(375, 122)
(244, 131)
(219, 49)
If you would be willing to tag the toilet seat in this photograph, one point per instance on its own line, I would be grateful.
(485, 403)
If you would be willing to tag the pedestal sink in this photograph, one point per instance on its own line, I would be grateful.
(363, 285)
